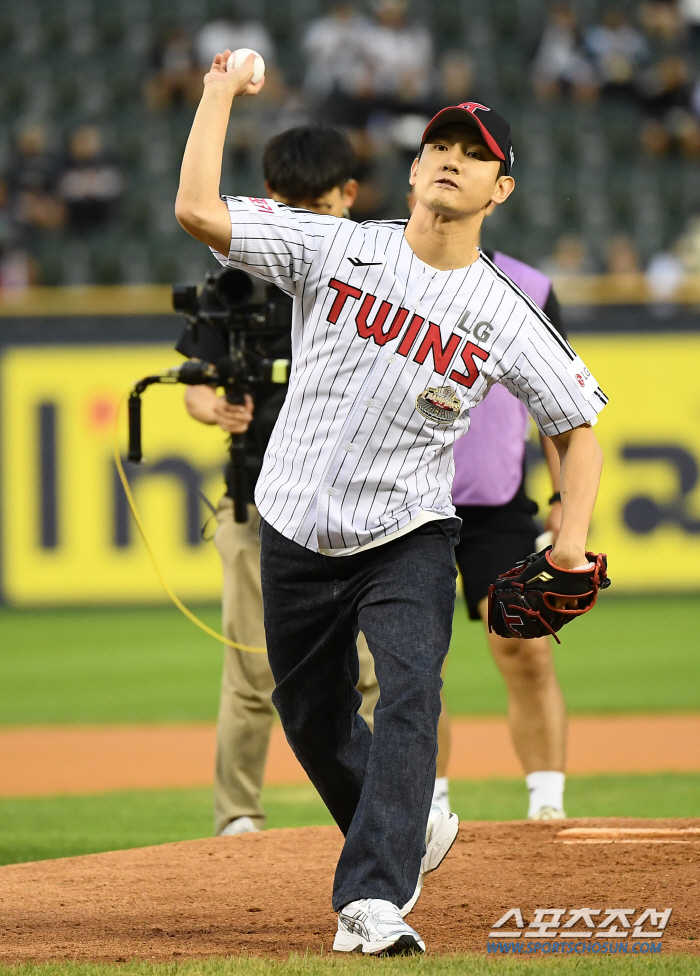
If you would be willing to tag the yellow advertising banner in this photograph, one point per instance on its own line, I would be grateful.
(647, 517)
(68, 537)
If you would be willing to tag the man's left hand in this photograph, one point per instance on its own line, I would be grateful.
(234, 418)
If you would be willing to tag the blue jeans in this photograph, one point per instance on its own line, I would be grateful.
(377, 787)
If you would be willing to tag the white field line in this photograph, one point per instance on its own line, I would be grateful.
(620, 840)
(629, 835)
(628, 831)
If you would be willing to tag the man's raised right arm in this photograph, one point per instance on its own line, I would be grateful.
(199, 208)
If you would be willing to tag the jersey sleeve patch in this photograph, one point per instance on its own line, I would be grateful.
(261, 205)
(583, 377)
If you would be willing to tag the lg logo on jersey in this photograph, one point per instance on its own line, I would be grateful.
(481, 331)
(384, 327)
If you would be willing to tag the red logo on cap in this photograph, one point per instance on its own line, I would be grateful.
(473, 106)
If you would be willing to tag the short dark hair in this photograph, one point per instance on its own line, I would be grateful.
(305, 162)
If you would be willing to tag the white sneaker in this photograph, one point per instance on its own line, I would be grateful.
(375, 927)
(241, 825)
(548, 813)
(439, 837)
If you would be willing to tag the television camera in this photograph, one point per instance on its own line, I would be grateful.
(250, 311)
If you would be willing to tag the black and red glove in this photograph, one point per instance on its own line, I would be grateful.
(537, 597)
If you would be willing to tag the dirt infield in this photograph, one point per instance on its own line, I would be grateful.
(268, 894)
(42, 761)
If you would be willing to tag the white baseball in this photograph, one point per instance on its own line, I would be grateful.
(236, 59)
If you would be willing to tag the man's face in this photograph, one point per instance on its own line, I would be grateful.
(334, 203)
(457, 174)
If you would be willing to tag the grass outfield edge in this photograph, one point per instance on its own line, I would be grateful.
(43, 828)
(150, 665)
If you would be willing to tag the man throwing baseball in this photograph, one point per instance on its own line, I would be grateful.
(398, 329)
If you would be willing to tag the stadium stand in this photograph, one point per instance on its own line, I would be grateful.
(624, 163)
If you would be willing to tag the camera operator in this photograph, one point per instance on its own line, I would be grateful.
(309, 167)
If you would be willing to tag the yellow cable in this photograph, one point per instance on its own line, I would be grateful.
(176, 600)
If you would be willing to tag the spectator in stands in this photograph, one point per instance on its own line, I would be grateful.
(560, 65)
(455, 79)
(31, 184)
(177, 80)
(366, 77)
(663, 24)
(337, 72)
(622, 264)
(667, 99)
(665, 87)
(688, 246)
(618, 50)
(665, 273)
(17, 270)
(364, 68)
(32, 166)
(220, 35)
(622, 257)
(253, 120)
(569, 257)
(375, 174)
(90, 182)
(690, 13)
(401, 53)
(16, 266)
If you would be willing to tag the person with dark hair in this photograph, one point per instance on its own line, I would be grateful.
(90, 183)
(618, 51)
(175, 80)
(401, 58)
(337, 69)
(399, 328)
(665, 87)
(309, 167)
(560, 64)
(312, 167)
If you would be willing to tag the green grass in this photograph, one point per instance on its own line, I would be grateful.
(38, 828)
(111, 665)
(655, 795)
(152, 665)
(631, 654)
(453, 965)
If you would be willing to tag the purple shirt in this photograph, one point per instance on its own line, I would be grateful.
(489, 458)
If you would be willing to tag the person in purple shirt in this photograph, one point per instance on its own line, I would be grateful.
(498, 529)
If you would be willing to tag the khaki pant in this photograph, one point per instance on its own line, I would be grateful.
(246, 712)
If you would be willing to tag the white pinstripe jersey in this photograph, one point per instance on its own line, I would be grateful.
(352, 459)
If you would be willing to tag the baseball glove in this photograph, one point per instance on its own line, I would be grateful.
(536, 597)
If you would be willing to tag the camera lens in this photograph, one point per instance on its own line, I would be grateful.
(234, 287)
(185, 299)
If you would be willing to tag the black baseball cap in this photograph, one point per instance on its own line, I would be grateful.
(493, 127)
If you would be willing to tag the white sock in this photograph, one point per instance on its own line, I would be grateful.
(441, 794)
(546, 790)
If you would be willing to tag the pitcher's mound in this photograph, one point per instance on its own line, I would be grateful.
(268, 894)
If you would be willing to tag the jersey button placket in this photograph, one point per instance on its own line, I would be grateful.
(328, 510)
